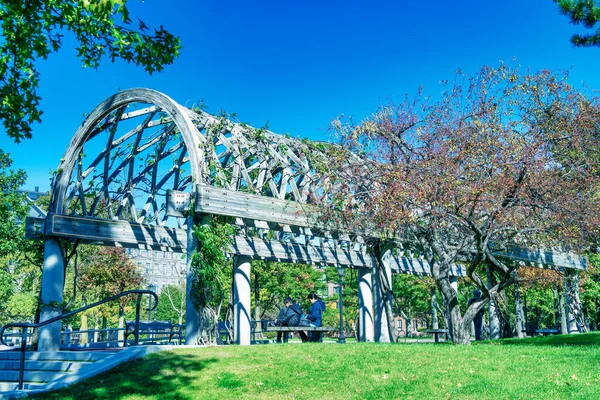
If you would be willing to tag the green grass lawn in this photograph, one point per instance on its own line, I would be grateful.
(556, 367)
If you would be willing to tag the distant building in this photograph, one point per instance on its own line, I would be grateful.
(418, 322)
(35, 211)
(159, 268)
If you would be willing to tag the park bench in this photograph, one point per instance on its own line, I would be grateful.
(436, 333)
(155, 331)
(319, 329)
(545, 332)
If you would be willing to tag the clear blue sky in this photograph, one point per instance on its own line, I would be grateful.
(299, 64)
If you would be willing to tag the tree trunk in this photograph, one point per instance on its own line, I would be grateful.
(96, 328)
(461, 327)
(104, 335)
(84, 327)
(121, 333)
(494, 322)
(520, 317)
(458, 327)
(409, 321)
(447, 320)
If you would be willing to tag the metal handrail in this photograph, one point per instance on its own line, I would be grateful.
(26, 325)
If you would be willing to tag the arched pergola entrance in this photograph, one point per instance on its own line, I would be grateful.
(140, 161)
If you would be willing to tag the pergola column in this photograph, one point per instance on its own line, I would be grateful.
(192, 317)
(241, 300)
(53, 284)
(382, 280)
(365, 306)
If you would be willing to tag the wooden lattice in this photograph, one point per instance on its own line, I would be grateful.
(139, 143)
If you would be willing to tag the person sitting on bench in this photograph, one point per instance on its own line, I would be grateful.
(315, 316)
(288, 316)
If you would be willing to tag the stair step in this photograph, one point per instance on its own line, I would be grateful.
(31, 365)
(30, 376)
(10, 386)
(56, 355)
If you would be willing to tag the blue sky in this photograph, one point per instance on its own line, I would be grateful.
(299, 64)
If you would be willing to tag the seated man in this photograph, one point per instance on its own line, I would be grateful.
(315, 316)
(288, 316)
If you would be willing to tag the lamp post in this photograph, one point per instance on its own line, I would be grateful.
(341, 339)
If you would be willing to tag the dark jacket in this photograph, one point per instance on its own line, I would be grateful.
(315, 313)
(290, 316)
(479, 315)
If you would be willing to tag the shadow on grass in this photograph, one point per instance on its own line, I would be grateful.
(159, 376)
(583, 339)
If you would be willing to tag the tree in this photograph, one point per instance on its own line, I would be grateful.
(490, 166)
(103, 272)
(13, 207)
(13, 210)
(171, 304)
(413, 297)
(585, 12)
(212, 276)
(34, 29)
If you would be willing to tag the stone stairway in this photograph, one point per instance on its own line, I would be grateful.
(46, 371)
(44, 368)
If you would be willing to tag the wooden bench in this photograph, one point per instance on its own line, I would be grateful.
(547, 332)
(436, 333)
(300, 328)
(319, 329)
(155, 331)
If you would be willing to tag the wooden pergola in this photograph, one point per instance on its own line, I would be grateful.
(141, 167)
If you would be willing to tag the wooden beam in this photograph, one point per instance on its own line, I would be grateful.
(546, 258)
(108, 232)
(418, 266)
(126, 234)
(211, 200)
(274, 250)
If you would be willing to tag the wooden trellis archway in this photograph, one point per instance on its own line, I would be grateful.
(140, 160)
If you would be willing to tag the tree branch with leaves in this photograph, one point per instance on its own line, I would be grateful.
(34, 29)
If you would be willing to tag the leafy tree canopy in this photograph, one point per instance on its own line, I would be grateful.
(586, 12)
(34, 29)
(13, 206)
(106, 272)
